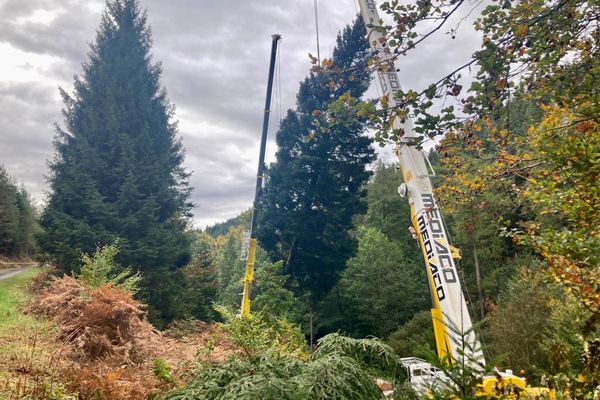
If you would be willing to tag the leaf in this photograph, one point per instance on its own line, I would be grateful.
(521, 31)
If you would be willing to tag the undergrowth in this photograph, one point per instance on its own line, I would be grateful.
(100, 269)
(29, 353)
(274, 364)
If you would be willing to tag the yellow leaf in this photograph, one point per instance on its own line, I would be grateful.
(384, 100)
(521, 30)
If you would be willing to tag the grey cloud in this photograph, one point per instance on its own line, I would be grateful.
(25, 135)
(61, 37)
(214, 55)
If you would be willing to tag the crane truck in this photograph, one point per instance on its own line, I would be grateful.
(456, 341)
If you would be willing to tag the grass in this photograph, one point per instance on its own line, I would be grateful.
(13, 296)
(28, 346)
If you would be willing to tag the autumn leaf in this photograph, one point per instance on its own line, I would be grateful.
(521, 31)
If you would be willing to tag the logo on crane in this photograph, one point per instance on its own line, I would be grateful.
(436, 244)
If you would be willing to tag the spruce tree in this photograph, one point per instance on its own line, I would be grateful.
(9, 213)
(117, 171)
(26, 246)
(17, 219)
(316, 186)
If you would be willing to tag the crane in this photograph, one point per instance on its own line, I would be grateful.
(456, 342)
(251, 255)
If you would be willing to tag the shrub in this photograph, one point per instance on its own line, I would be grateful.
(275, 366)
(162, 371)
(100, 269)
(257, 334)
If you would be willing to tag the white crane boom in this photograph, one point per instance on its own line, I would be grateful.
(455, 339)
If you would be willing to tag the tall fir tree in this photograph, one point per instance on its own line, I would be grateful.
(118, 169)
(316, 186)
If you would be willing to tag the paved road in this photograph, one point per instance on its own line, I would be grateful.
(7, 273)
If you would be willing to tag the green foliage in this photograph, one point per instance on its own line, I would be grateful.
(101, 269)
(380, 289)
(200, 279)
(272, 298)
(415, 338)
(389, 212)
(370, 352)
(223, 228)
(231, 267)
(268, 378)
(118, 166)
(565, 196)
(315, 186)
(13, 297)
(523, 314)
(405, 391)
(258, 334)
(573, 358)
(57, 391)
(564, 348)
(17, 219)
(341, 368)
(162, 371)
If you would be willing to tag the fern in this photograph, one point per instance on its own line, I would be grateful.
(101, 269)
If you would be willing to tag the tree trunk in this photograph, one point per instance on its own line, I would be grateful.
(478, 279)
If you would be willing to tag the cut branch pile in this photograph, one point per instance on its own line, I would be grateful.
(99, 322)
(112, 347)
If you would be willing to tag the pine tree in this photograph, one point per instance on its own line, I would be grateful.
(201, 279)
(17, 219)
(389, 212)
(26, 246)
(118, 172)
(382, 288)
(315, 186)
(9, 213)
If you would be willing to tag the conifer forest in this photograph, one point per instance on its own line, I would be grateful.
(425, 221)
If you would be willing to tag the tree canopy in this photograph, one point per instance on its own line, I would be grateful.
(117, 170)
(18, 223)
(519, 151)
(315, 186)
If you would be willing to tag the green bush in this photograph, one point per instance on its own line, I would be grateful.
(256, 334)
(162, 371)
(274, 365)
(100, 269)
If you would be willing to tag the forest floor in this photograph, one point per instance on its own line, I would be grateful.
(51, 331)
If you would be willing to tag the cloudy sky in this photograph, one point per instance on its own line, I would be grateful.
(215, 58)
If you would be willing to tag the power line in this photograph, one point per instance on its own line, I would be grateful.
(316, 10)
